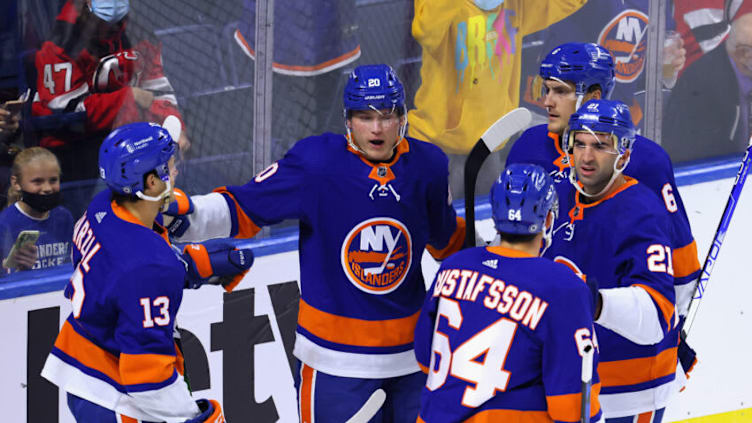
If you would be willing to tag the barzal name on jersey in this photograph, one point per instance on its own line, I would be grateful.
(500, 336)
(116, 348)
(649, 164)
(363, 229)
(623, 242)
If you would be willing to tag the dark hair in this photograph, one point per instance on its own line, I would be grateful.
(517, 238)
(120, 199)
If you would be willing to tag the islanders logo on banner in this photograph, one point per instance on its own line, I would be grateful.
(376, 255)
(625, 36)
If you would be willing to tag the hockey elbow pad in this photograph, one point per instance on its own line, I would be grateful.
(211, 412)
(179, 209)
(218, 263)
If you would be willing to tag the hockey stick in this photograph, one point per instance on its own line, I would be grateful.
(720, 235)
(586, 376)
(494, 137)
(370, 408)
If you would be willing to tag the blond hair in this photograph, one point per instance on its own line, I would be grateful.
(20, 161)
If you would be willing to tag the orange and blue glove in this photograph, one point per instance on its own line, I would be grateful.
(216, 263)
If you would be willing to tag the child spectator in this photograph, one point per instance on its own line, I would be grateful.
(33, 204)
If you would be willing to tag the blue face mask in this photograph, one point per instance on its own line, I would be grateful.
(488, 5)
(111, 11)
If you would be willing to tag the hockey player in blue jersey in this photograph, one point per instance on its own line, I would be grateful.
(572, 74)
(368, 203)
(614, 230)
(115, 355)
(502, 330)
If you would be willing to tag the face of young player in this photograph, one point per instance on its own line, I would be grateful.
(375, 132)
(560, 101)
(594, 158)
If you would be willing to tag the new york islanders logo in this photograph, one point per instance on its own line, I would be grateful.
(625, 36)
(377, 254)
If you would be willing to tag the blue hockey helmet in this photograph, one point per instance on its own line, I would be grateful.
(603, 116)
(133, 150)
(374, 87)
(583, 64)
(521, 198)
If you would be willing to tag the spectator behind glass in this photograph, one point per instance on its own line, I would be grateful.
(33, 204)
(708, 113)
(92, 66)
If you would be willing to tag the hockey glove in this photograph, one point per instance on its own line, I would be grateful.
(687, 355)
(179, 209)
(596, 299)
(216, 263)
(211, 412)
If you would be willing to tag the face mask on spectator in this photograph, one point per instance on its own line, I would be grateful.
(111, 11)
(488, 5)
(41, 202)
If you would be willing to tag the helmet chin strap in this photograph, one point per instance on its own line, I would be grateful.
(614, 175)
(617, 172)
(163, 197)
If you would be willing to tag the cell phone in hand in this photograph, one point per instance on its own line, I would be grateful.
(14, 106)
(24, 238)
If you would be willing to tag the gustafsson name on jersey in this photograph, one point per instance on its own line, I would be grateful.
(505, 298)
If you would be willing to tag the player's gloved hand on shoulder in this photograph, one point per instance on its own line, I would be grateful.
(178, 211)
(596, 299)
(216, 263)
(211, 412)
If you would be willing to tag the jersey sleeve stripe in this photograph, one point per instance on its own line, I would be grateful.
(637, 370)
(455, 242)
(423, 368)
(136, 369)
(567, 407)
(245, 226)
(666, 307)
(351, 331)
(685, 260)
(87, 353)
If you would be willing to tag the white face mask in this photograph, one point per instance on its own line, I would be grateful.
(110, 10)
(488, 5)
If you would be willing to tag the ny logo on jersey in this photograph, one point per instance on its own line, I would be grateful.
(568, 228)
(376, 255)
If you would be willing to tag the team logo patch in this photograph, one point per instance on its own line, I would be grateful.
(377, 254)
(625, 36)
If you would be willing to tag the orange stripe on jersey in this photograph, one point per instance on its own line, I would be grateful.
(124, 214)
(184, 204)
(685, 260)
(307, 375)
(146, 368)
(423, 368)
(506, 416)
(126, 419)
(508, 252)
(646, 417)
(637, 370)
(246, 227)
(179, 361)
(350, 331)
(568, 407)
(87, 353)
(667, 307)
(455, 242)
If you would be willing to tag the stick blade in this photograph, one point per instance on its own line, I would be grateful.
(507, 125)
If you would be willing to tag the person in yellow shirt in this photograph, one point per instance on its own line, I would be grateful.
(471, 68)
